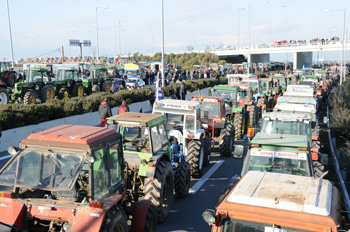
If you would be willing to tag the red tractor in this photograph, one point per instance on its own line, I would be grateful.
(7, 81)
(70, 178)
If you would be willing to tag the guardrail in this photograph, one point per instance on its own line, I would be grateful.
(343, 189)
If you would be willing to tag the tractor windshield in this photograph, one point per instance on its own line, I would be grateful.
(100, 73)
(136, 138)
(4, 67)
(285, 127)
(265, 85)
(253, 85)
(42, 169)
(281, 80)
(211, 107)
(67, 75)
(244, 94)
(225, 93)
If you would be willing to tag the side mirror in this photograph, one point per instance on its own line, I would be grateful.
(313, 124)
(325, 120)
(12, 150)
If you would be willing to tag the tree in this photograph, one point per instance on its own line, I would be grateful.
(222, 62)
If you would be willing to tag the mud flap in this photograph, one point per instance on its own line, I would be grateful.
(139, 216)
(13, 215)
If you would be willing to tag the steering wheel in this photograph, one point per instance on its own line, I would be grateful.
(298, 172)
(279, 166)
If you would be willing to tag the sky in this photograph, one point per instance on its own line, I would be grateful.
(39, 27)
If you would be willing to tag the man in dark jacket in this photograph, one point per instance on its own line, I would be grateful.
(104, 110)
(123, 108)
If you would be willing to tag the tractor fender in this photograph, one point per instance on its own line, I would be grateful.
(13, 213)
(139, 216)
(153, 162)
(91, 218)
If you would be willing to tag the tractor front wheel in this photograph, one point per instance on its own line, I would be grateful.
(196, 157)
(78, 90)
(4, 96)
(226, 142)
(96, 89)
(47, 93)
(29, 98)
(207, 151)
(160, 190)
(252, 115)
(238, 124)
(182, 179)
(115, 221)
(63, 94)
(106, 86)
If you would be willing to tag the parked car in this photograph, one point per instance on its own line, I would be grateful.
(134, 82)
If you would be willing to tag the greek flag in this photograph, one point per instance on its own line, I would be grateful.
(159, 94)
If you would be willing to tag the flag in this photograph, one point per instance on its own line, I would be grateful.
(159, 93)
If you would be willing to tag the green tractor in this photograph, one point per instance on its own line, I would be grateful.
(97, 80)
(68, 83)
(150, 167)
(37, 84)
(282, 83)
(236, 113)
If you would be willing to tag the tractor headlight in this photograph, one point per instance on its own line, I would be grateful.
(209, 216)
(37, 87)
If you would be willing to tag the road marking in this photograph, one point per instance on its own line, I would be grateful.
(204, 178)
(5, 157)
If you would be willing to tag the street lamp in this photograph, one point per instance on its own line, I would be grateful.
(342, 51)
(120, 50)
(239, 8)
(194, 33)
(8, 17)
(286, 62)
(152, 35)
(162, 41)
(98, 58)
(35, 36)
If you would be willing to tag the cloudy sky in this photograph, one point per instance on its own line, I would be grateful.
(38, 26)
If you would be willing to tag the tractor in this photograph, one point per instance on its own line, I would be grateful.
(217, 127)
(37, 84)
(7, 81)
(70, 178)
(185, 128)
(68, 83)
(97, 80)
(282, 83)
(235, 113)
(150, 163)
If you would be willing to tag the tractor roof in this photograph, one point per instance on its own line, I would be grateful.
(208, 99)
(287, 116)
(277, 191)
(297, 99)
(178, 104)
(227, 87)
(72, 136)
(68, 69)
(250, 80)
(98, 68)
(138, 119)
(242, 86)
(37, 69)
(243, 76)
(276, 140)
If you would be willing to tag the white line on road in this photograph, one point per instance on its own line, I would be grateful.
(5, 157)
(204, 178)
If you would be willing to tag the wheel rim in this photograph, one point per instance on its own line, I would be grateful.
(49, 94)
(32, 99)
(65, 95)
(3, 98)
(80, 91)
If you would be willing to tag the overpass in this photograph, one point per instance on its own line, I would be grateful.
(302, 52)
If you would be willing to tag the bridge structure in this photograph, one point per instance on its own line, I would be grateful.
(302, 52)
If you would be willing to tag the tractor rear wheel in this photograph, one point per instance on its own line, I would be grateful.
(63, 94)
(115, 221)
(238, 123)
(95, 88)
(78, 90)
(318, 168)
(226, 142)
(4, 96)
(182, 179)
(195, 157)
(160, 190)
(106, 86)
(207, 151)
(252, 115)
(47, 93)
(29, 98)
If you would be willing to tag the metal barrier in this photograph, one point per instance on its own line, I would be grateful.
(343, 189)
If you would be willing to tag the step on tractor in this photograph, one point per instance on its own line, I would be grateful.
(150, 166)
(277, 202)
(37, 84)
(236, 113)
(184, 126)
(297, 124)
(70, 178)
(97, 80)
(68, 84)
(7, 81)
(217, 127)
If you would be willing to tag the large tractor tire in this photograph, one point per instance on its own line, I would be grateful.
(261, 102)
(252, 115)
(160, 190)
(95, 88)
(11, 79)
(115, 221)
(106, 86)
(238, 124)
(195, 157)
(207, 151)
(78, 90)
(182, 179)
(226, 141)
(259, 107)
(4, 96)
(47, 93)
(145, 217)
(63, 94)
(29, 98)
(319, 168)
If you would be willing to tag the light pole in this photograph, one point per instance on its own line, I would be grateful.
(152, 35)
(286, 62)
(239, 8)
(120, 49)
(194, 33)
(342, 51)
(162, 26)
(97, 45)
(35, 36)
(115, 45)
(8, 17)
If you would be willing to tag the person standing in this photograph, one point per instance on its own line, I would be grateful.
(104, 110)
(123, 108)
(183, 91)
